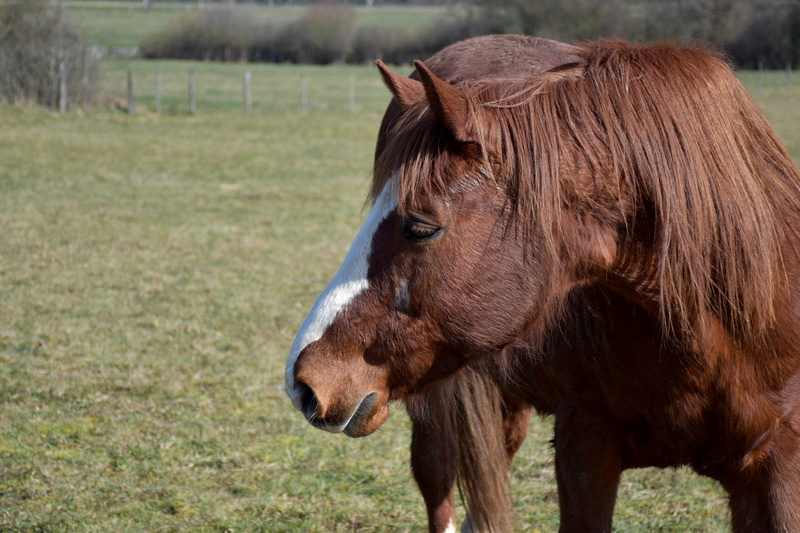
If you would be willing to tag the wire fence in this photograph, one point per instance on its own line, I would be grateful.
(186, 87)
(180, 87)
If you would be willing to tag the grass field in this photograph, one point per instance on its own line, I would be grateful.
(153, 272)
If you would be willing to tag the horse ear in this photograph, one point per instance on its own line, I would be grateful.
(405, 90)
(448, 102)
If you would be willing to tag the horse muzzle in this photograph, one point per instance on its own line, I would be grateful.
(357, 418)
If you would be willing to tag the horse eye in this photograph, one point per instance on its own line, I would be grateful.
(419, 230)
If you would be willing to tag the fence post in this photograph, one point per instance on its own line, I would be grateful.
(248, 103)
(789, 76)
(192, 102)
(85, 92)
(760, 75)
(130, 92)
(62, 87)
(158, 91)
(304, 92)
(351, 93)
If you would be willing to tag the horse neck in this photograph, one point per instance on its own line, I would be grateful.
(700, 331)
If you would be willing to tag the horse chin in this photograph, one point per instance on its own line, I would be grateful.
(368, 417)
(370, 413)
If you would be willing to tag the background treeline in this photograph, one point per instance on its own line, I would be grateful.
(326, 33)
(753, 32)
(44, 59)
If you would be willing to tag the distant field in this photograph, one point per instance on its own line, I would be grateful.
(153, 272)
(128, 23)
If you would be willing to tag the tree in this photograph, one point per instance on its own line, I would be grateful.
(36, 38)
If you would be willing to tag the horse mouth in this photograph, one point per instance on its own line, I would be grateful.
(355, 425)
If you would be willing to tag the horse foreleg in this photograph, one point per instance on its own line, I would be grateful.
(588, 469)
(766, 498)
(434, 463)
(765, 495)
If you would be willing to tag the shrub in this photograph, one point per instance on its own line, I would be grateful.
(395, 45)
(448, 30)
(35, 39)
(222, 34)
(379, 42)
(323, 35)
(558, 19)
(772, 39)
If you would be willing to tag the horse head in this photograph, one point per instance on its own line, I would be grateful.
(441, 273)
(639, 169)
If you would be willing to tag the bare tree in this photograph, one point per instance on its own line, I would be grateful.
(36, 39)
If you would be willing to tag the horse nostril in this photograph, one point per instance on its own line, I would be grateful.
(309, 405)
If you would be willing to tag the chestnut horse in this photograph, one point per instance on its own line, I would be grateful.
(444, 439)
(613, 237)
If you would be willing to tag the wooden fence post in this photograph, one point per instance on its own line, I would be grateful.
(248, 103)
(158, 91)
(789, 76)
(351, 94)
(304, 92)
(192, 102)
(85, 91)
(130, 92)
(62, 87)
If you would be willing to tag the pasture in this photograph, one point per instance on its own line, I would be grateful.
(153, 272)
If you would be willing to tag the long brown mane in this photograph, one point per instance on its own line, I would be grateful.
(660, 143)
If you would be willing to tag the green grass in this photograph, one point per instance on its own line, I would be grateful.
(153, 272)
(128, 23)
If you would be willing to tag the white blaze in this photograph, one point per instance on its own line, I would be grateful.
(350, 280)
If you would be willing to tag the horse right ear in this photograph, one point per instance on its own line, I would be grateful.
(405, 90)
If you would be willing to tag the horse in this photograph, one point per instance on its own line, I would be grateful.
(614, 237)
(443, 441)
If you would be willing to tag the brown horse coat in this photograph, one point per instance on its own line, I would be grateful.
(613, 241)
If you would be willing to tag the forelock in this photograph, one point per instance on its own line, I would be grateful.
(423, 159)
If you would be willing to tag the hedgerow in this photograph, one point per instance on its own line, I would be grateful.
(768, 35)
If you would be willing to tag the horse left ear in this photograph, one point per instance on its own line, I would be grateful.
(448, 103)
(405, 90)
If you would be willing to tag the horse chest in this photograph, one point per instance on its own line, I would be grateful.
(655, 400)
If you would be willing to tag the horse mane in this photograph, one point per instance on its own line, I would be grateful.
(661, 144)
(486, 57)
